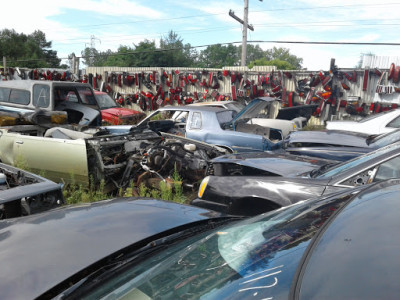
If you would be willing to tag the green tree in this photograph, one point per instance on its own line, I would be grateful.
(39, 38)
(141, 55)
(174, 53)
(254, 52)
(279, 64)
(218, 56)
(283, 54)
(92, 57)
(31, 51)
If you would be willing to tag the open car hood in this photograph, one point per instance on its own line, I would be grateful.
(253, 109)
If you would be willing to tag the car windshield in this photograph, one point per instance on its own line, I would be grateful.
(234, 106)
(385, 139)
(257, 256)
(105, 101)
(338, 168)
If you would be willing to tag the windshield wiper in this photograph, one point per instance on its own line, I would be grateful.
(316, 172)
(371, 138)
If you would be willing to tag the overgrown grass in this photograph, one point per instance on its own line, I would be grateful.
(167, 190)
(74, 194)
(170, 190)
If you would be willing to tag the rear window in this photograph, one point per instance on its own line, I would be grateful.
(20, 97)
(4, 94)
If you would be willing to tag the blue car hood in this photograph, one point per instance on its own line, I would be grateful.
(39, 251)
(253, 109)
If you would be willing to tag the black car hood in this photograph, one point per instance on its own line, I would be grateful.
(330, 137)
(40, 251)
(280, 164)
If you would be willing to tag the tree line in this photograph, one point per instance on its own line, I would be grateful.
(34, 51)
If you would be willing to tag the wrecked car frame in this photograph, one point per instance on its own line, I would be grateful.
(24, 193)
(95, 156)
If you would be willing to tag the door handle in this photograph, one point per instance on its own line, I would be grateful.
(19, 142)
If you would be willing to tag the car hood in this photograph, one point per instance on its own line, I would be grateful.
(331, 137)
(119, 111)
(253, 109)
(280, 164)
(40, 251)
(341, 125)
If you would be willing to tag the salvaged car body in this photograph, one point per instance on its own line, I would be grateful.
(114, 114)
(210, 125)
(69, 156)
(30, 95)
(23, 193)
(267, 112)
(88, 233)
(232, 105)
(111, 112)
(383, 122)
(247, 184)
(336, 144)
(148, 249)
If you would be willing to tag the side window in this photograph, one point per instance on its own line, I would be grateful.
(87, 96)
(196, 121)
(394, 123)
(72, 97)
(20, 97)
(388, 169)
(41, 95)
(5, 94)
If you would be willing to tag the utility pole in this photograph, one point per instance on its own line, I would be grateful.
(244, 38)
(5, 67)
(245, 26)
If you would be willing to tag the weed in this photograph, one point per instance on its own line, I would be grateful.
(78, 194)
(21, 163)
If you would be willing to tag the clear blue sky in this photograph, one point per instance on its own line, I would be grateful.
(71, 24)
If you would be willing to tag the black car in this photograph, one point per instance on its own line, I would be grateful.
(249, 184)
(336, 144)
(340, 247)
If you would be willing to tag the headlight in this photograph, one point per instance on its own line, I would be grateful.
(294, 126)
(203, 186)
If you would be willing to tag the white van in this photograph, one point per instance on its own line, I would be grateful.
(28, 95)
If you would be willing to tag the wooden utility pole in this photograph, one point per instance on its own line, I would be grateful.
(244, 39)
(5, 67)
(245, 26)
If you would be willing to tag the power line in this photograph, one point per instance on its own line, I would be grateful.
(333, 23)
(227, 43)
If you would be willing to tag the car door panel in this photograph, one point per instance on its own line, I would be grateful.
(61, 160)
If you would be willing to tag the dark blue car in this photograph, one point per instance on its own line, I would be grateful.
(344, 246)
